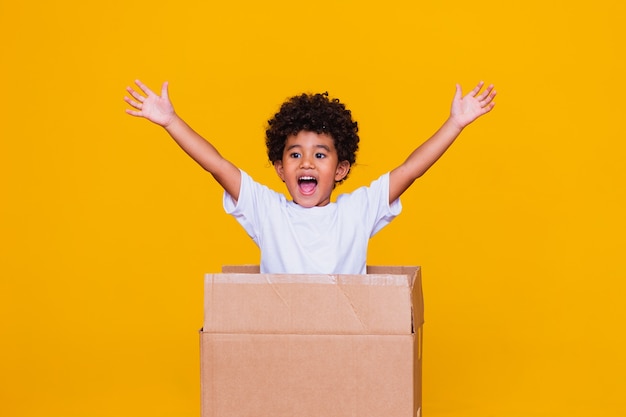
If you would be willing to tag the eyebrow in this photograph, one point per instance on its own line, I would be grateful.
(315, 146)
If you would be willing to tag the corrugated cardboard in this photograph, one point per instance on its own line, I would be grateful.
(312, 345)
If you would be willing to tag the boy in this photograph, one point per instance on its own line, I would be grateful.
(312, 143)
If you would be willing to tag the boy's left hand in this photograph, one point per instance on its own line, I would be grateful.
(469, 108)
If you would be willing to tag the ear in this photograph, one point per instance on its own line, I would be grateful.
(278, 166)
(343, 168)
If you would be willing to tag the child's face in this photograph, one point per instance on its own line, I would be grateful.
(310, 167)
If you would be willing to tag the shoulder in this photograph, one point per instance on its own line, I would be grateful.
(254, 186)
(254, 196)
(377, 187)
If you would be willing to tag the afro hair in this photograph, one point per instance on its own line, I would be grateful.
(314, 113)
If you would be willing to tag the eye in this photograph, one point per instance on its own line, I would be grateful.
(294, 155)
(320, 155)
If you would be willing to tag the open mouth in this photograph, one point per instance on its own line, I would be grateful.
(307, 185)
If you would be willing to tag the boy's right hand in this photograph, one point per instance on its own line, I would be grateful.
(157, 109)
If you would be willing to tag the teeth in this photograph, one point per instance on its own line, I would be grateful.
(307, 179)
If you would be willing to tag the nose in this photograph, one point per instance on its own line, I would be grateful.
(307, 163)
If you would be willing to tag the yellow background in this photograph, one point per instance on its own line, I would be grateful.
(107, 227)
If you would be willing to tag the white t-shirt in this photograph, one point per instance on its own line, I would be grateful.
(331, 239)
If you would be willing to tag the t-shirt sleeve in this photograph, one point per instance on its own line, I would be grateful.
(255, 203)
(371, 205)
(243, 209)
(379, 197)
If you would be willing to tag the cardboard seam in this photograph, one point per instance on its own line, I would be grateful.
(352, 307)
(273, 286)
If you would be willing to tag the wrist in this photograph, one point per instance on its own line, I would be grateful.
(172, 122)
(456, 124)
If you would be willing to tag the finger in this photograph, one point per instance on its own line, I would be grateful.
(476, 89)
(133, 103)
(143, 87)
(487, 106)
(485, 93)
(164, 90)
(489, 99)
(135, 95)
(458, 92)
(134, 113)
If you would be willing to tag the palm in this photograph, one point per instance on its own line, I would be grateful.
(157, 109)
(469, 108)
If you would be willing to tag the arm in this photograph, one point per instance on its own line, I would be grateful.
(159, 110)
(463, 112)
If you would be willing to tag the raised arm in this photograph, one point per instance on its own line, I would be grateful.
(159, 110)
(464, 110)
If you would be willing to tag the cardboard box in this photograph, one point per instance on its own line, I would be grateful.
(312, 345)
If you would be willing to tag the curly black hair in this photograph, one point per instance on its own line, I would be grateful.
(314, 113)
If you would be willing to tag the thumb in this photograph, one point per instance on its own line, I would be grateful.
(458, 93)
(164, 91)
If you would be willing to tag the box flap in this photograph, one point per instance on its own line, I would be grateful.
(386, 301)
